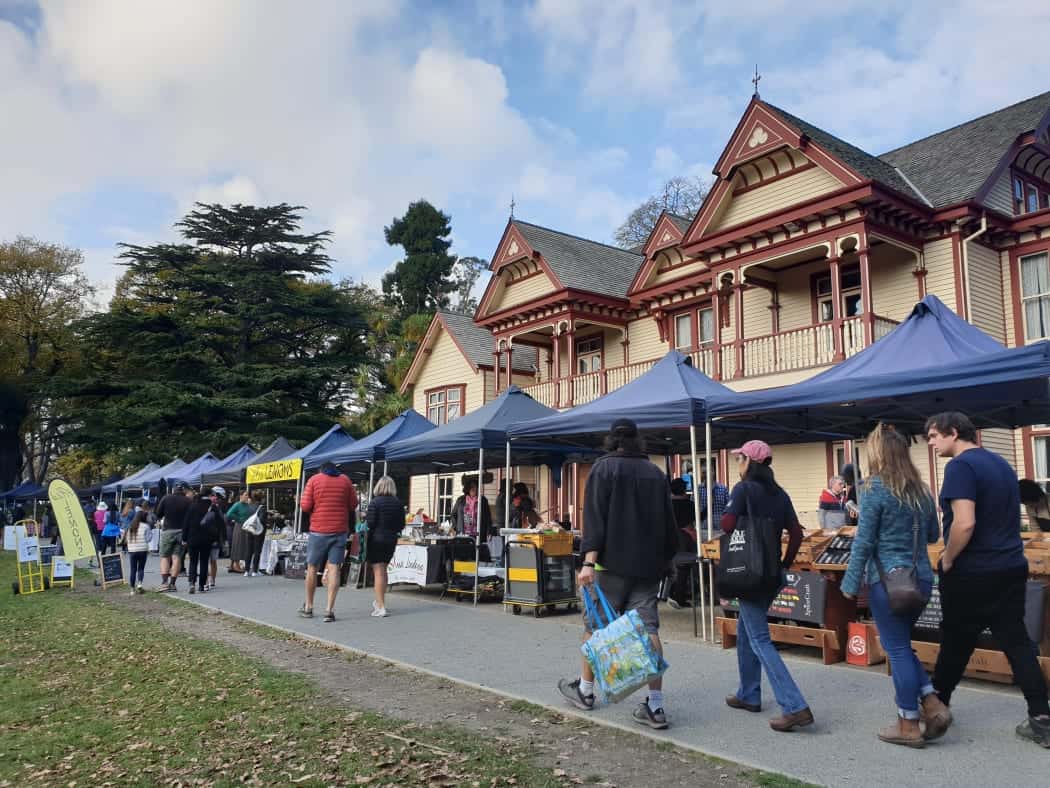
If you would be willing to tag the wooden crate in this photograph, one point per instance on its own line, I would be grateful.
(984, 664)
(827, 640)
(812, 546)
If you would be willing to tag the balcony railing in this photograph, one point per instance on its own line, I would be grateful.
(787, 351)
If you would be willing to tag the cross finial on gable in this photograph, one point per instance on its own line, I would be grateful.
(512, 204)
(755, 80)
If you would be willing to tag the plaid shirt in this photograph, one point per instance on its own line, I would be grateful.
(720, 494)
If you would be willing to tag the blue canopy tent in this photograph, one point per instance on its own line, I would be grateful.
(933, 361)
(130, 481)
(95, 490)
(372, 448)
(243, 455)
(231, 472)
(458, 445)
(192, 473)
(156, 477)
(25, 491)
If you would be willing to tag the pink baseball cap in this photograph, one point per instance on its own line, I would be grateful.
(756, 451)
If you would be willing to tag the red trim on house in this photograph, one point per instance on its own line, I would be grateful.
(829, 459)
(745, 189)
(564, 295)
(1032, 221)
(1016, 253)
(462, 400)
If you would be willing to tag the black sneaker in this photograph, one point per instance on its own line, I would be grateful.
(571, 691)
(646, 716)
(1036, 729)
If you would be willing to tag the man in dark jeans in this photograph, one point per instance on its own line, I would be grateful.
(983, 572)
(629, 540)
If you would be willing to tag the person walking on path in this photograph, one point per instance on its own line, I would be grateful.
(252, 544)
(757, 495)
(171, 512)
(236, 516)
(330, 500)
(627, 547)
(201, 530)
(983, 572)
(99, 518)
(385, 518)
(896, 503)
(137, 541)
(110, 530)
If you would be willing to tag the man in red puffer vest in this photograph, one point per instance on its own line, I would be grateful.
(331, 501)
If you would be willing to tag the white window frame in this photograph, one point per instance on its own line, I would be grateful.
(1027, 298)
(445, 497)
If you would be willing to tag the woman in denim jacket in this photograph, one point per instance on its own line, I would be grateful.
(894, 497)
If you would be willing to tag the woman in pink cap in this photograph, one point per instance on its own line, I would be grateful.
(761, 498)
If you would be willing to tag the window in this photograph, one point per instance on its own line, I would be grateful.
(705, 319)
(589, 355)
(683, 332)
(1032, 201)
(1029, 197)
(852, 302)
(1035, 295)
(445, 498)
(445, 405)
(1041, 455)
(1018, 195)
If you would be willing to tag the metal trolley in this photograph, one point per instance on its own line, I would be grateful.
(538, 580)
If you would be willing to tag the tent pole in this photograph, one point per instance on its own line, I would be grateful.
(696, 519)
(385, 473)
(477, 523)
(710, 521)
(506, 491)
(371, 480)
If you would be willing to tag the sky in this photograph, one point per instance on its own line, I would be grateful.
(117, 115)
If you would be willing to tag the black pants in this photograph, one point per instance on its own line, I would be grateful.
(199, 558)
(973, 603)
(137, 566)
(254, 545)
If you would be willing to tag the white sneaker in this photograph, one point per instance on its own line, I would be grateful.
(132, 591)
(379, 612)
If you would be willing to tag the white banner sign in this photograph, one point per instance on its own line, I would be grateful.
(409, 565)
(28, 549)
(11, 535)
(61, 569)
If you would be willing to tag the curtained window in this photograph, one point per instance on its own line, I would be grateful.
(1035, 296)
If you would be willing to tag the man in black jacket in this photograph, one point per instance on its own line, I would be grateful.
(629, 541)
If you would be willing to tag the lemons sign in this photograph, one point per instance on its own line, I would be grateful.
(72, 525)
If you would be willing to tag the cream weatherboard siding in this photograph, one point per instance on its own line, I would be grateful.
(684, 270)
(758, 318)
(796, 295)
(613, 348)
(986, 290)
(940, 271)
(1006, 273)
(776, 196)
(528, 289)
(801, 470)
(1002, 443)
(893, 289)
(646, 344)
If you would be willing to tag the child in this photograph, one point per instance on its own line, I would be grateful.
(137, 536)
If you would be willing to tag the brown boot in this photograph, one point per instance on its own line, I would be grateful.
(788, 722)
(936, 715)
(903, 732)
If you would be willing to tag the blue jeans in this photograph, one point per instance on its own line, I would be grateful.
(137, 566)
(909, 677)
(755, 651)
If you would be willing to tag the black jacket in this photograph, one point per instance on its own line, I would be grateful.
(204, 525)
(484, 516)
(627, 517)
(173, 508)
(385, 513)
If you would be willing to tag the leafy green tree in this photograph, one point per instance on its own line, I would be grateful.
(43, 293)
(227, 337)
(422, 281)
(466, 273)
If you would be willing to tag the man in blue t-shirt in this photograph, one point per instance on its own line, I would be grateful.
(983, 571)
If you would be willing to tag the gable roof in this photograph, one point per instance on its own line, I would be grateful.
(476, 343)
(864, 163)
(580, 264)
(681, 222)
(951, 166)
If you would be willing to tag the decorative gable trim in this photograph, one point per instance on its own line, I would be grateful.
(513, 250)
(665, 234)
(426, 347)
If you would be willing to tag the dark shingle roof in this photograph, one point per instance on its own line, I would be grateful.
(951, 166)
(680, 221)
(477, 343)
(864, 163)
(581, 264)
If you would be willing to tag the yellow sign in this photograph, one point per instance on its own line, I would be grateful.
(280, 471)
(72, 525)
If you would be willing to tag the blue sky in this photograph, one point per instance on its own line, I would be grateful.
(119, 114)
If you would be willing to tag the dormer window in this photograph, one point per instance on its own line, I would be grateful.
(1029, 197)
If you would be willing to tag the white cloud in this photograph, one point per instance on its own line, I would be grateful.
(666, 163)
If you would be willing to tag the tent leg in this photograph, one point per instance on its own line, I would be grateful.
(384, 469)
(477, 523)
(696, 520)
(710, 522)
(371, 481)
(506, 491)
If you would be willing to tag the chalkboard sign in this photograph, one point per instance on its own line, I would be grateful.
(47, 552)
(295, 561)
(1034, 605)
(801, 599)
(112, 569)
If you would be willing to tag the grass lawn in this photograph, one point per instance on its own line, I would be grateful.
(96, 695)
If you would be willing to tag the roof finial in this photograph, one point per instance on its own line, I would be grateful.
(757, 78)
(512, 204)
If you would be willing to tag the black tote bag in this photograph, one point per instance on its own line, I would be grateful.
(749, 557)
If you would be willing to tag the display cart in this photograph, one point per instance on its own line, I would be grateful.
(466, 562)
(31, 578)
(541, 571)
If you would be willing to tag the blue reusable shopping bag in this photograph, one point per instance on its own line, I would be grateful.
(620, 653)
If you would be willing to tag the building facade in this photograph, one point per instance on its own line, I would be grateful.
(806, 251)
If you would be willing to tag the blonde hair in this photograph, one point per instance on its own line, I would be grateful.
(889, 459)
(385, 486)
